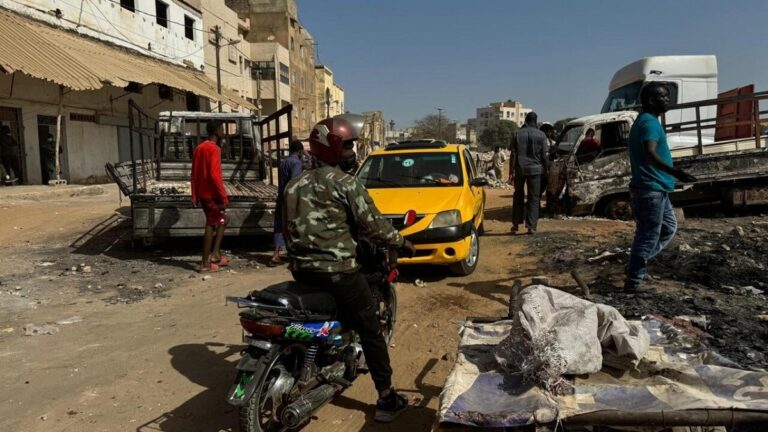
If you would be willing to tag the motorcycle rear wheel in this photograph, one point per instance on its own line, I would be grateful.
(261, 414)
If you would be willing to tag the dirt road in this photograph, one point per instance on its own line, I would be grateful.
(144, 344)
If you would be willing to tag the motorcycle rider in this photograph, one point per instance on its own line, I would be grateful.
(325, 210)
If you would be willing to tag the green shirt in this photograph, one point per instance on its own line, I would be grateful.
(323, 208)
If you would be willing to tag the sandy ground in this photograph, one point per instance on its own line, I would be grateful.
(154, 346)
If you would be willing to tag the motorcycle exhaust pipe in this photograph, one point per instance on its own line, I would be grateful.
(299, 412)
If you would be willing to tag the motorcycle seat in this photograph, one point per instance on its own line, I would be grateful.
(310, 300)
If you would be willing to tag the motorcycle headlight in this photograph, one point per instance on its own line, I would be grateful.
(446, 219)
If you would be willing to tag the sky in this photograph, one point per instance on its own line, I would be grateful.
(408, 57)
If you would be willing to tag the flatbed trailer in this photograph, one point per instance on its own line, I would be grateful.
(159, 189)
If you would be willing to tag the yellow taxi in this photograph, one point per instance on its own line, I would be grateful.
(432, 193)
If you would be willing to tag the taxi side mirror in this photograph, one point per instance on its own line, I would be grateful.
(479, 182)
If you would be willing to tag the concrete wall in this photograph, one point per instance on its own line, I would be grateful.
(139, 30)
(88, 145)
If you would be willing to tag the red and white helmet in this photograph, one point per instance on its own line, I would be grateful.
(328, 137)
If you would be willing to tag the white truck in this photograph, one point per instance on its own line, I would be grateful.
(717, 138)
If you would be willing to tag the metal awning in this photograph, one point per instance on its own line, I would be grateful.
(82, 63)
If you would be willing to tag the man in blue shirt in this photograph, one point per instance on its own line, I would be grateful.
(653, 178)
(290, 167)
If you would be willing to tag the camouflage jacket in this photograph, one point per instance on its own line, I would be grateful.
(323, 208)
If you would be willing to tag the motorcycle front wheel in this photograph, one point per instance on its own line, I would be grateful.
(386, 298)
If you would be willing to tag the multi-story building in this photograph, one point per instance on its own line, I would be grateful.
(278, 21)
(234, 52)
(500, 111)
(271, 77)
(471, 131)
(329, 94)
(69, 72)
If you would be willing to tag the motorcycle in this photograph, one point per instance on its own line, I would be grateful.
(298, 356)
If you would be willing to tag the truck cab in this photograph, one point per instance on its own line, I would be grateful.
(689, 78)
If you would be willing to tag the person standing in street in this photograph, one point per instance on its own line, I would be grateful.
(290, 168)
(208, 192)
(653, 178)
(498, 162)
(529, 163)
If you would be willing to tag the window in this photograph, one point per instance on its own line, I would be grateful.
(128, 4)
(471, 169)
(189, 27)
(285, 73)
(264, 70)
(293, 47)
(412, 170)
(161, 9)
(232, 53)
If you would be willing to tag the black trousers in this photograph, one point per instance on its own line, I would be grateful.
(527, 207)
(358, 312)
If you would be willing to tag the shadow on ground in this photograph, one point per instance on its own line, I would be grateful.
(112, 237)
(205, 365)
(417, 415)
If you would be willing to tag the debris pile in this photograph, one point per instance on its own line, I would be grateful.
(714, 271)
(554, 333)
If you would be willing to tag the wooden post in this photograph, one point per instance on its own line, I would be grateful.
(698, 131)
(58, 134)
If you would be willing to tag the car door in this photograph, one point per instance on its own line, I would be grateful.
(477, 191)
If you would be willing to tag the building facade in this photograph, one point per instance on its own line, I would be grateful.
(171, 30)
(70, 73)
(277, 21)
(500, 111)
(329, 94)
(270, 76)
(234, 52)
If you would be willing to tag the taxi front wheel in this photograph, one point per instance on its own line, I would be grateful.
(468, 265)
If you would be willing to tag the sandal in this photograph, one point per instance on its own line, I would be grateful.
(273, 263)
(222, 262)
(212, 269)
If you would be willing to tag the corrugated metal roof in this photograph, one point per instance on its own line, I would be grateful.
(81, 63)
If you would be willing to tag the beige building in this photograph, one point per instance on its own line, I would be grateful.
(270, 70)
(499, 111)
(278, 21)
(329, 94)
(234, 54)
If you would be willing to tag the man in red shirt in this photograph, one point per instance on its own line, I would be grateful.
(208, 192)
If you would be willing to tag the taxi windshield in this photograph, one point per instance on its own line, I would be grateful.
(408, 170)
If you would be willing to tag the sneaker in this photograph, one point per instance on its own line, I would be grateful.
(635, 287)
(391, 406)
(515, 228)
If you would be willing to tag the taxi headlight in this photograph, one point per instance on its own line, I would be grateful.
(446, 219)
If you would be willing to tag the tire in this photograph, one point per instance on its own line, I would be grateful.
(618, 207)
(388, 329)
(251, 412)
(481, 229)
(468, 265)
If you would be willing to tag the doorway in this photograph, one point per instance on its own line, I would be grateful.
(46, 137)
(12, 143)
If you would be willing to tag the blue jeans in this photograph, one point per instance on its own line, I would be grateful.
(655, 227)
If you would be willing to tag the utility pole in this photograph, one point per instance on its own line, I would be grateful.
(217, 44)
(439, 122)
(327, 102)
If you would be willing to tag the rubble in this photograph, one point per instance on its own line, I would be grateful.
(694, 276)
